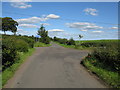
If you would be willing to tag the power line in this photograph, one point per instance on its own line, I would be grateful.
(62, 18)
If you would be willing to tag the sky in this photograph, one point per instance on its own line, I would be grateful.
(92, 20)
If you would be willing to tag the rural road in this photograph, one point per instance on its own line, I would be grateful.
(54, 67)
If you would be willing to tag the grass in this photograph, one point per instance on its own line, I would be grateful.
(75, 47)
(110, 77)
(39, 44)
(9, 72)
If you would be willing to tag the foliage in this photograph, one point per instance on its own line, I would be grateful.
(21, 46)
(80, 36)
(101, 70)
(9, 72)
(11, 46)
(108, 56)
(44, 35)
(71, 42)
(9, 52)
(64, 41)
(104, 60)
(40, 44)
(8, 24)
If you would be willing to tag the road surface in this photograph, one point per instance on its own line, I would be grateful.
(54, 67)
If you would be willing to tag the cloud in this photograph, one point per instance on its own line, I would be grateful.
(22, 4)
(23, 32)
(114, 28)
(83, 30)
(30, 20)
(91, 11)
(84, 26)
(56, 30)
(97, 31)
(28, 26)
(52, 16)
(37, 19)
(20, 0)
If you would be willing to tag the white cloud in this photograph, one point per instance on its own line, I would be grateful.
(52, 16)
(20, 0)
(83, 30)
(56, 30)
(20, 3)
(23, 32)
(114, 28)
(97, 31)
(30, 20)
(91, 11)
(28, 26)
(83, 26)
(37, 19)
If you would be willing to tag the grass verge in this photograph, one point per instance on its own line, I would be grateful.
(109, 77)
(39, 44)
(9, 72)
(75, 47)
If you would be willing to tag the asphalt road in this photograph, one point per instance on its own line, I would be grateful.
(54, 67)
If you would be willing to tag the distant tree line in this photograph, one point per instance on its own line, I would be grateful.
(64, 41)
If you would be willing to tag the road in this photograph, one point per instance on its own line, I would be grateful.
(54, 67)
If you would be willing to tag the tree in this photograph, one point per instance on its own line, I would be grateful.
(71, 42)
(80, 36)
(8, 24)
(44, 35)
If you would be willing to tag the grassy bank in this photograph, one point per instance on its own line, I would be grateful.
(9, 72)
(103, 72)
(40, 44)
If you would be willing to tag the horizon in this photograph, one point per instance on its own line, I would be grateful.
(95, 20)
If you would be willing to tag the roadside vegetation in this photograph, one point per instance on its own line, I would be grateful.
(40, 44)
(16, 48)
(104, 59)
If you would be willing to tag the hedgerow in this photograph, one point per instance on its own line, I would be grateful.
(11, 46)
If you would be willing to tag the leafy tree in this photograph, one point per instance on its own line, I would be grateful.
(8, 24)
(44, 35)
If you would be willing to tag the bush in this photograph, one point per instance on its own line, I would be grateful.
(11, 45)
(108, 56)
(21, 46)
(71, 42)
(9, 52)
(29, 41)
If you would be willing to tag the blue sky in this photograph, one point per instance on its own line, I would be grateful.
(93, 20)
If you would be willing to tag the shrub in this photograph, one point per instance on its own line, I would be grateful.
(71, 42)
(29, 41)
(21, 46)
(108, 56)
(9, 52)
